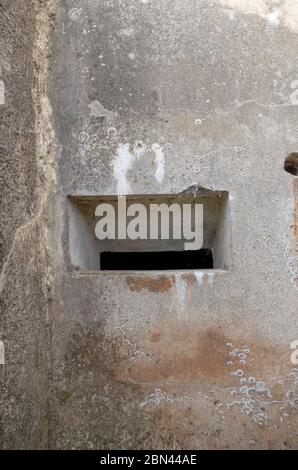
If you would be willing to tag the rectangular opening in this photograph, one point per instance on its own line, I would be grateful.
(89, 253)
(156, 260)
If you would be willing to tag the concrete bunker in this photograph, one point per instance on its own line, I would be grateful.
(88, 253)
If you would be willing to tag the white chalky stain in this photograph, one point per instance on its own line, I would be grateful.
(2, 93)
(274, 17)
(211, 278)
(139, 149)
(199, 277)
(181, 289)
(122, 163)
(159, 162)
(287, 13)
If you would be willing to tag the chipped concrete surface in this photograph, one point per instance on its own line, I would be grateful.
(144, 98)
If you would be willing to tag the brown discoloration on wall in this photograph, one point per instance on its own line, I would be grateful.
(155, 337)
(153, 284)
(158, 395)
(180, 355)
(190, 278)
(176, 354)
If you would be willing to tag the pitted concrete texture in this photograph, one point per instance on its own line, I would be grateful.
(152, 97)
(25, 247)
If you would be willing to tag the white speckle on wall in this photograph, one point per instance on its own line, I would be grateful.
(158, 397)
(2, 93)
(155, 398)
(159, 162)
(274, 17)
(230, 13)
(127, 32)
(122, 163)
(139, 149)
(2, 353)
(199, 277)
(294, 94)
(112, 134)
(181, 289)
(211, 278)
(74, 14)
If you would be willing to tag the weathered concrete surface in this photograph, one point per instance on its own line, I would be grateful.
(151, 97)
(25, 247)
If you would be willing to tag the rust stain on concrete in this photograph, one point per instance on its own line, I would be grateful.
(190, 278)
(155, 337)
(153, 284)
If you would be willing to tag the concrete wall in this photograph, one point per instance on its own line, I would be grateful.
(151, 97)
(25, 227)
